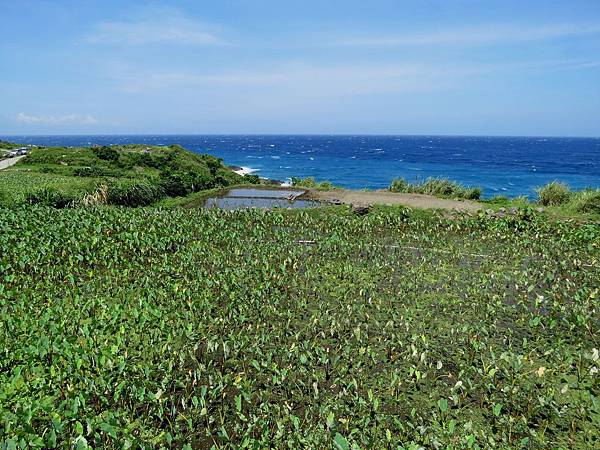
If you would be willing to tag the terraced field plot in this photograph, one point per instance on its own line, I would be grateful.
(322, 329)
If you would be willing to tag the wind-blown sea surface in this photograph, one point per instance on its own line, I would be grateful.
(508, 166)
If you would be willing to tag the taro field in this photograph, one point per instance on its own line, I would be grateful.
(156, 328)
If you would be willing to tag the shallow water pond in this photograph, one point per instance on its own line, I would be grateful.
(241, 198)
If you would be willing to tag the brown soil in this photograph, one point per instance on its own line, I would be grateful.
(365, 198)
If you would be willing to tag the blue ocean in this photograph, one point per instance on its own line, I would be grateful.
(509, 166)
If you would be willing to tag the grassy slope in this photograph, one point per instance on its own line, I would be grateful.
(79, 170)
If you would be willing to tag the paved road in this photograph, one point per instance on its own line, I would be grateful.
(10, 161)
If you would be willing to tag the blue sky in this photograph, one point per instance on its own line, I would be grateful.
(264, 66)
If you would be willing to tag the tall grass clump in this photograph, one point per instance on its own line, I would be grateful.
(586, 201)
(554, 194)
(134, 193)
(50, 196)
(438, 187)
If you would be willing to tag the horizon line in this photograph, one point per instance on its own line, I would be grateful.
(306, 134)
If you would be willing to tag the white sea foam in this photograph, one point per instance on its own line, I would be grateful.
(245, 171)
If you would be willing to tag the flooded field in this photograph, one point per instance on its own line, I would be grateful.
(242, 198)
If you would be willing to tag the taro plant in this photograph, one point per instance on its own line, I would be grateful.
(183, 328)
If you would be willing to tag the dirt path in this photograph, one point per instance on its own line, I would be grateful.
(5, 163)
(360, 198)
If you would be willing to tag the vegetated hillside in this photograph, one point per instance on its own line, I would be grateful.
(297, 329)
(130, 175)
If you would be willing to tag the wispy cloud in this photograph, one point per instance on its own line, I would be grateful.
(480, 35)
(69, 119)
(332, 80)
(290, 78)
(166, 28)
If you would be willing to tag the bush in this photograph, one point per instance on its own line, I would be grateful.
(251, 179)
(93, 171)
(106, 153)
(473, 193)
(554, 194)
(309, 182)
(587, 201)
(439, 187)
(213, 164)
(399, 185)
(134, 193)
(176, 184)
(153, 160)
(51, 197)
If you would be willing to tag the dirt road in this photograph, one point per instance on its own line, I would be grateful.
(10, 161)
(364, 198)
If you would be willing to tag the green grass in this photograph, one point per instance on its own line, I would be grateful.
(17, 184)
(556, 199)
(554, 194)
(82, 172)
(150, 327)
(438, 187)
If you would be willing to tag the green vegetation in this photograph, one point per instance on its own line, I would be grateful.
(558, 200)
(176, 327)
(147, 327)
(559, 194)
(132, 175)
(311, 183)
(17, 185)
(439, 187)
(554, 194)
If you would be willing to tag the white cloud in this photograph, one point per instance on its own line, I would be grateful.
(481, 35)
(291, 79)
(168, 27)
(69, 119)
(332, 80)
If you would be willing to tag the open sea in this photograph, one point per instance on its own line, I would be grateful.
(507, 166)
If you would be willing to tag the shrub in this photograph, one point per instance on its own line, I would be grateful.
(399, 185)
(134, 193)
(587, 201)
(554, 194)
(473, 193)
(309, 182)
(177, 184)
(213, 163)
(153, 160)
(98, 197)
(106, 153)
(251, 179)
(51, 197)
(89, 172)
(439, 187)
